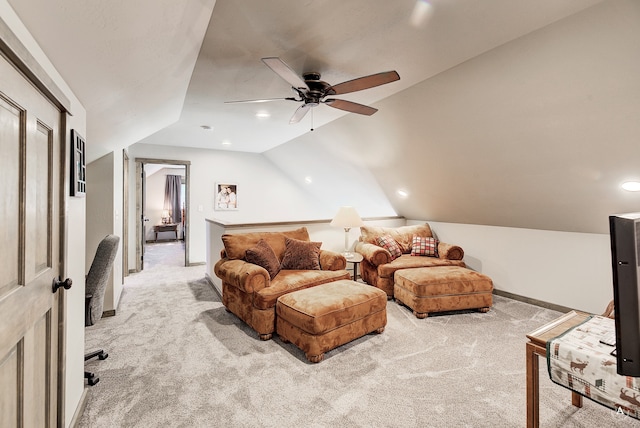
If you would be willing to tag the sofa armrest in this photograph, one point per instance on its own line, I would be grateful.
(449, 251)
(243, 275)
(330, 260)
(374, 254)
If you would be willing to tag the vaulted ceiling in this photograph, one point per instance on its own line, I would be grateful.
(508, 112)
(158, 70)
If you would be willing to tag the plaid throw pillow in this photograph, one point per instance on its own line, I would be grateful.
(390, 244)
(421, 246)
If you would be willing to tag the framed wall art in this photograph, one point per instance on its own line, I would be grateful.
(226, 196)
(78, 165)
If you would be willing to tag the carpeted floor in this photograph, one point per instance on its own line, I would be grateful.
(167, 253)
(178, 359)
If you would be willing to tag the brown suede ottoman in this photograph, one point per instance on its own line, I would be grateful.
(442, 288)
(321, 318)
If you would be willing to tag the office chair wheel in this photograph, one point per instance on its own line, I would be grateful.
(91, 378)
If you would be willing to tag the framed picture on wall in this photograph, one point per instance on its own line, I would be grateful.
(226, 196)
(78, 166)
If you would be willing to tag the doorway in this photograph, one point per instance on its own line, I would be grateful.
(162, 213)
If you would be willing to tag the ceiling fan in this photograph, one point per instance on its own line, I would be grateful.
(311, 91)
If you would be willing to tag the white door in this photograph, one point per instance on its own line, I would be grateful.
(30, 195)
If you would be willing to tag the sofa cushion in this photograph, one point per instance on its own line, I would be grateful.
(301, 255)
(424, 246)
(262, 255)
(291, 280)
(236, 245)
(390, 244)
(403, 235)
(406, 261)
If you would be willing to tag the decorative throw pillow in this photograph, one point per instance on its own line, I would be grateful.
(390, 244)
(262, 255)
(423, 246)
(301, 255)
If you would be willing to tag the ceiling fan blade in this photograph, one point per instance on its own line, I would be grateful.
(283, 70)
(299, 113)
(264, 100)
(350, 106)
(365, 82)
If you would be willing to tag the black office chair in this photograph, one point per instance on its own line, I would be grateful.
(96, 283)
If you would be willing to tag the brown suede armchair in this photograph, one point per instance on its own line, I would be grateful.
(249, 292)
(377, 267)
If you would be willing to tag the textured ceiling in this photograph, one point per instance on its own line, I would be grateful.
(156, 70)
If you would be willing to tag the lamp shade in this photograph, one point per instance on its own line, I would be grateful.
(347, 217)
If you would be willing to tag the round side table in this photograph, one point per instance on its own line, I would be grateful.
(355, 259)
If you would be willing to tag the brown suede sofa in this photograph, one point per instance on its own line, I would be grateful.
(250, 290)
(378, 266)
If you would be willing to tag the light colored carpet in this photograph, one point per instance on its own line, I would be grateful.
(178, 359)
(159, 254)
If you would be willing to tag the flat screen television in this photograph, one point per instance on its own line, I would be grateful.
(625, 259)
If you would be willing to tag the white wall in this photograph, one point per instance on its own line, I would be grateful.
(335, 159)
(104, 217)
(563, 268)
(265, 194)
(75, 236)
(117, 226)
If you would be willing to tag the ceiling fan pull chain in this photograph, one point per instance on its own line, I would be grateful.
(311, 119)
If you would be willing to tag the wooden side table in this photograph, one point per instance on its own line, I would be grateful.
(171, 227)
(537, 346)
(355, 259)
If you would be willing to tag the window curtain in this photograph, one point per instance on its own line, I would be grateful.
(172, 197)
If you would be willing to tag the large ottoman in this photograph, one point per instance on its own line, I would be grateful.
(442, 288)
(321, 318)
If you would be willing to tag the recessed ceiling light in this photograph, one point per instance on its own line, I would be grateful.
(631, 186)
(226, 143)
(402, 193)
(421, 12)
(207, 127)
(308, 180)
(262, 114)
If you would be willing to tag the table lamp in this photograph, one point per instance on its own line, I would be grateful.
(347, 217)
(165, 217)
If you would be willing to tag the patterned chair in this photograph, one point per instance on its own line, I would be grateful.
(96, 283)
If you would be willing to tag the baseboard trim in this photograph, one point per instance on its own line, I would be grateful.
(197, 264)
(534, 302)
(82, 405)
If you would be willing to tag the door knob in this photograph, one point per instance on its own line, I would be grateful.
(58, 282)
